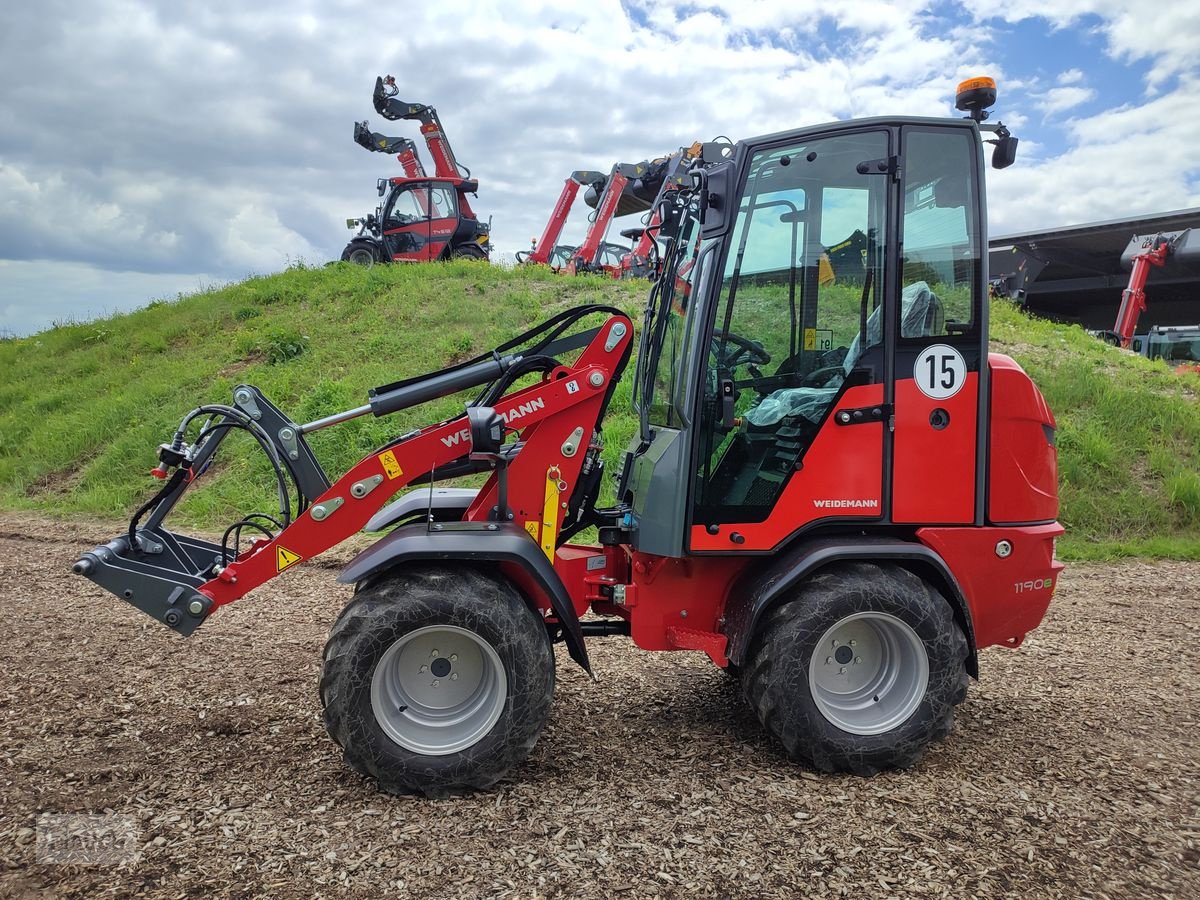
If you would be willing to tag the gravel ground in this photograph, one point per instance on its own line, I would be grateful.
(1072, 770)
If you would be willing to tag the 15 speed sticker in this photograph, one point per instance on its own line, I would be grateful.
(940, 371)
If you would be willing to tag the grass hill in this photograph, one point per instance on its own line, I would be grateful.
(83, 407)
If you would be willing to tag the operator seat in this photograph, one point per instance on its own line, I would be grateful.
(921, 315)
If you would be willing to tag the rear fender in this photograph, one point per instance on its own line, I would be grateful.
(763, 587)
(476, 543)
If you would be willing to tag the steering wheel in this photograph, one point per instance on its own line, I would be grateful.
(745, 352)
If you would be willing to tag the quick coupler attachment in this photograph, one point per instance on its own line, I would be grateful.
(158, 580)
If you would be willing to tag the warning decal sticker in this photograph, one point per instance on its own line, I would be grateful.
(388, 459)
(284, 558)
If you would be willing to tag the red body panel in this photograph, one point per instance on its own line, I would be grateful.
(1008, 595)
(842, 477)
(444, 164)
(435, 234)
(677, 593)
(1023, 463)
(934, 469)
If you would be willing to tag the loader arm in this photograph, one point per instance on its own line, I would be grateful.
(618, 179)
(386, 104)
(180, 581)
(1143, 253)
(405, 150)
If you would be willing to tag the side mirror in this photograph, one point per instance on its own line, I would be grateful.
(487, 432)
(1005, 152)
(718, 191)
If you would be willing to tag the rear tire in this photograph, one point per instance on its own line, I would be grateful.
(361, 255)
(437, 680)
(469, 251)
(860, 670)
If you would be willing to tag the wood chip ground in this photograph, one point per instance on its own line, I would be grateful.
(1072, 770)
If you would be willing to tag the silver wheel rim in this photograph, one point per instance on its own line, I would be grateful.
(869, 673)
(362, 258)
(438, 690)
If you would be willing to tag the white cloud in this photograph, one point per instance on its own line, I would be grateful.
(1168, 33)
(215, 138)
(1124, 162)
(1060, 99)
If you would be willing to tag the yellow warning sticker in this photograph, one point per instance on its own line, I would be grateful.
(388, 459)
(284, 558)
(532, 527)
(810, 339)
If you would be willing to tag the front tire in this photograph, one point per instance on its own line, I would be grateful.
(361, 255)
(860, 670)
(437, 680)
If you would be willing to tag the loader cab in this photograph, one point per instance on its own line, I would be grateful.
(420, 218)
(816, 354)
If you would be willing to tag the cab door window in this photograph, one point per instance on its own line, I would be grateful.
(442, 203)
(407, 207)
(798, 314)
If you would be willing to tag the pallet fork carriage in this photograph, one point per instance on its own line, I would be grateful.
(835, 492)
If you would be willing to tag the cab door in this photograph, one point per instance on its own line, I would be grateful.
(791, 429)
(419, 221)
(941, 356)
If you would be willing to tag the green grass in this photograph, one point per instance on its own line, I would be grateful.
(83, 407)
(1128, 440)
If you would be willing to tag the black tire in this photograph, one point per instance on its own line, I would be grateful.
(360, 254)
(393, 607)
(469, 251)
(780, 685)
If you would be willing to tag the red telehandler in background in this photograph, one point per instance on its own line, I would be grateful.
(628, 188)
(1144, 252)
(546, 250)
(421, 218)
(835, 492)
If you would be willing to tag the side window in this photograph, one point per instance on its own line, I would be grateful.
(405, 208)
(941, 261)
(443, 203)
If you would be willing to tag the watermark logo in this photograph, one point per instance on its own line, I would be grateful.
(86, 840)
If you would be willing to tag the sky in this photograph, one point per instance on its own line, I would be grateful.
(149, 149)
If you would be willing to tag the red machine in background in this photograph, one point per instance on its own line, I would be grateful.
(1143, 253)
(629, 188)
(422, 217)
(546, 247)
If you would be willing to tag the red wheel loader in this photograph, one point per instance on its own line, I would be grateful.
(628, 188)
(835, 493)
